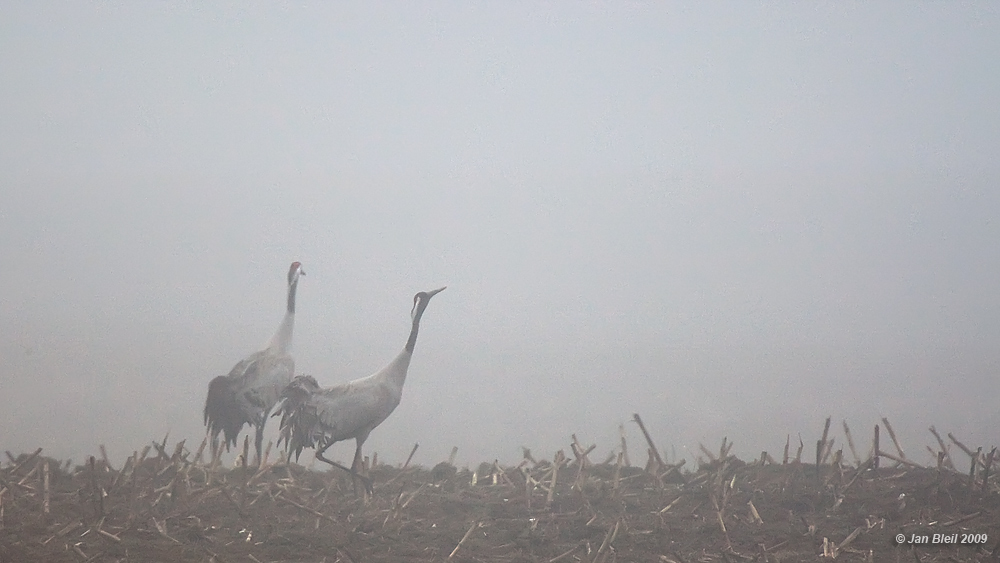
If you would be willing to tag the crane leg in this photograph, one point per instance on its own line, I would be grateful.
(354, 470)
(354, 474)
(259, 441)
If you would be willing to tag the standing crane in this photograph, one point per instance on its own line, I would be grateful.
(313, 417)
(253, 386)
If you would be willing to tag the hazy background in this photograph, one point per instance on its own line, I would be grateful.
(734, 219)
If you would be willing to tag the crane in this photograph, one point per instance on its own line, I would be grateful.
(254, 385)
(314, 417)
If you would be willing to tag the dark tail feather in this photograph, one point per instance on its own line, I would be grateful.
(222, 413)
(298, 418)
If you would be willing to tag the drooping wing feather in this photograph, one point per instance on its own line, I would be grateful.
(222, 412)
(247, 394)
(298, 416)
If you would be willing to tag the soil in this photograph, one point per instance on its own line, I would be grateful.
(165, 507)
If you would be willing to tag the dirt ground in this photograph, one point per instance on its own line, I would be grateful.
(164, 505)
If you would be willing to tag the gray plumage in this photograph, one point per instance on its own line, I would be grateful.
(254, 385)
(313, 417)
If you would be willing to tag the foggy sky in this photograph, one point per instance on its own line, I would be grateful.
(734, 219)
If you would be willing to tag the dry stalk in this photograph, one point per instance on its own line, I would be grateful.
(27, 476)
(556, 462)
(201, 450)
(754, 513)
(960, 445)
(900, 460)
(164, 469)
(972, 469)
(944, 448)
(608, 538)
(343, 551)
(861, 469)
(965, 518)
(618, 471)
(412, 495)
(454, 453)
(669, 506)
(306, 508)
(621, 429)
(45, 487)
(722, 526)
(121, 474)
(179, 454)
(798, 454)
(13, 471)
(104, 457)
(875, 449)
(986, 470)
(673, 469)
(784, 459)
(892, 435)
(580, 461)
(564, 554)
(724, 448)
(229, 497)
(267, 453)
(110, 536)
(499, 474)
(465, 537)
(819, 456)
(216, 460)
(940, 459)
(527, 487)
(826, 431)
(246, 453)
(828, 450)
(161, 449)
(402, 469)
(410, 457)
(649, 440)
(96, 492)
(67, 529)
(161, 527)
(578, 450)
(847, 541)
(850, 443)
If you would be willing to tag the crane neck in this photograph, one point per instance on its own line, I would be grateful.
(292, 287)
(417, 313)
(282, 340)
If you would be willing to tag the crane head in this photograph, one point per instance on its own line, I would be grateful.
(421, 299)
(294, 271)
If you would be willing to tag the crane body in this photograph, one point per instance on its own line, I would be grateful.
(251, 389)
(316, 417)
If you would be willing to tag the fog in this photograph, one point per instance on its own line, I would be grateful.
(735, 219)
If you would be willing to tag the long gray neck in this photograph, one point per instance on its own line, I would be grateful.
(282, 339)
(291, 297)
(412, 340)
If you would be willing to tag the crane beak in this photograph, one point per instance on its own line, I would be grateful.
(435, 292)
